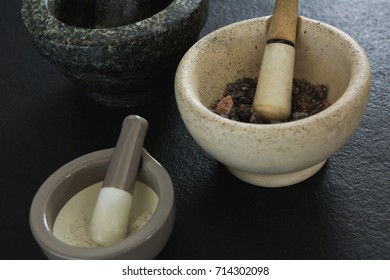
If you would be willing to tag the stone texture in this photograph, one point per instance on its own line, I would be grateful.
(118, 66)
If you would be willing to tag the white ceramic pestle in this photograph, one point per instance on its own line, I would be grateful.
(274, 88)
(110, 217)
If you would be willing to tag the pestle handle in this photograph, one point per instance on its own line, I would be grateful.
(274, 88)
(110, 218)
(123, 168)
(283, 24)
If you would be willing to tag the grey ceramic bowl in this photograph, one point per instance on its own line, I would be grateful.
(83, 172)
(125, 66)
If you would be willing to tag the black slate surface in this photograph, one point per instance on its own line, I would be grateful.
(343, 212)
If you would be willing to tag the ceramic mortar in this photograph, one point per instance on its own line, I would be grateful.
(273, 155)
(83, 172)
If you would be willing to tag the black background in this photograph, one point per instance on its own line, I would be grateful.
(343, 212)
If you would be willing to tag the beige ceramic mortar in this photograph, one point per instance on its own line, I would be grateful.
(273, 155)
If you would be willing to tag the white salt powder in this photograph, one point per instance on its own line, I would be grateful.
(72, 223)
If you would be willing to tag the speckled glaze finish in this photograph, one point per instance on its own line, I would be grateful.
(124, 66)
(273, 155)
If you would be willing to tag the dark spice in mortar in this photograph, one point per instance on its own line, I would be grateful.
(307, 99)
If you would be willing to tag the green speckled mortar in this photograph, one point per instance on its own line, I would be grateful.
(124, 66)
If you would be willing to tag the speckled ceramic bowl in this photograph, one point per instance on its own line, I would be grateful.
(273, 155)
(128, 65)
(78, 175)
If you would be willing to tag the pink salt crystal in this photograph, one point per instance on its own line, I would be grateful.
(224, 106)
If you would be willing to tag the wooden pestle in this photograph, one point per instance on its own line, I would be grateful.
(274, 89)
(113, 13)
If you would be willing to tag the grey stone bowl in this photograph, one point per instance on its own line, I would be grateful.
(124, 66)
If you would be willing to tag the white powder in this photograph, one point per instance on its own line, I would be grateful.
(72, 223)
(79, 230)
